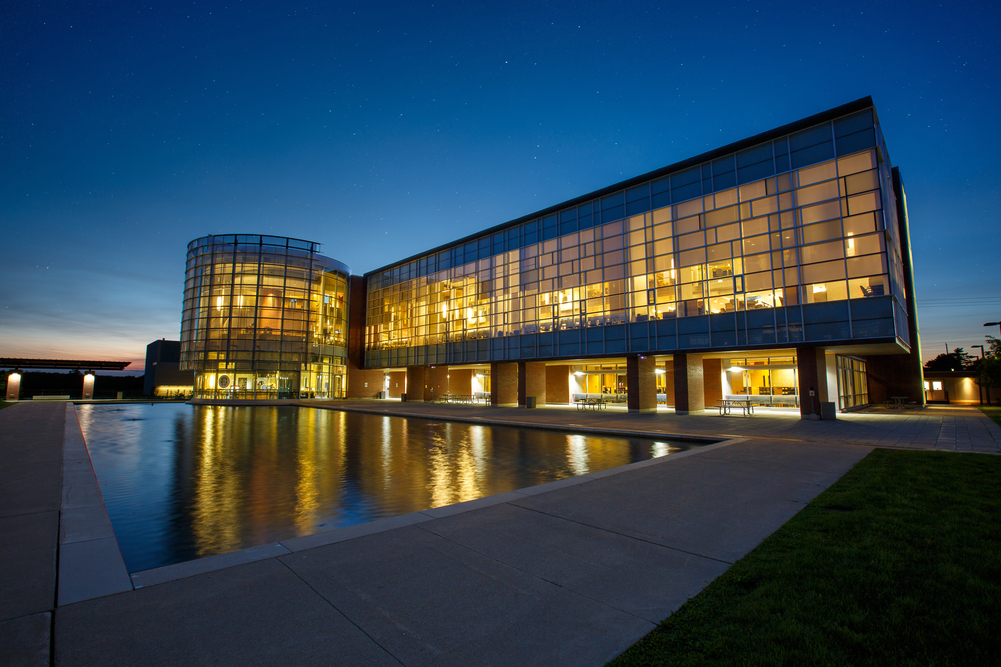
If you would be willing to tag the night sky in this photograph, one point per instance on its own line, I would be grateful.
(384, 129)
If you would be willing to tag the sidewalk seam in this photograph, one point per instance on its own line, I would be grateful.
(334, 607)
(537, 577)
(631, 537)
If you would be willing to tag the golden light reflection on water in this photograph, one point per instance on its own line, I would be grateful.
(577, 454)
(264, 474)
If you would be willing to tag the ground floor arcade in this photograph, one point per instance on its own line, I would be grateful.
(800, 379)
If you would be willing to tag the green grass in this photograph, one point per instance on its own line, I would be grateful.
(898, 563)
(5, 404)
(993, 412)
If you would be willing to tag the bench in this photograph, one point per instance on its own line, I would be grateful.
(727, 404)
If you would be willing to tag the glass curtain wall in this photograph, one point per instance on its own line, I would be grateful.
(812, 235)
(853, 387)
(264, 318)
(770, 381)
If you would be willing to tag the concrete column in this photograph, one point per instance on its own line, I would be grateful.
(504, 385)
(531, 382)
(13, 387)
(712, 380)
(437, 382)
(88, 386)
(811, 366)
(641, 384)
(689, 392)
(416, 383)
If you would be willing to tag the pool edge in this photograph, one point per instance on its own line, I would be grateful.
(215, 563)
(90, 563)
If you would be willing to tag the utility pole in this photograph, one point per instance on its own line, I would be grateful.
(980, 389)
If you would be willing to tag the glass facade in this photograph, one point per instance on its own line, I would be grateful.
(792, 240)
(264, 317)
(853, 384)
(769, 381)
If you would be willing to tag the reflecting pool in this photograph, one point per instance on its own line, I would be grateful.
(183, 482)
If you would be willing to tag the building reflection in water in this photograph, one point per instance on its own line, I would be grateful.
(234, 477)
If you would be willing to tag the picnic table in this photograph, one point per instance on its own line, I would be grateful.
(594, 403)
(895, 402)
(456, 398)
(728, 404)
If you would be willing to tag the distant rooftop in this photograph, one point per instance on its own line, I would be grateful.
(71, 364)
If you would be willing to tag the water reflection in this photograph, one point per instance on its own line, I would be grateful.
(183, 482)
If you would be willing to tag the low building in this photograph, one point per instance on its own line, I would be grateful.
(164, 377)
(955, 387)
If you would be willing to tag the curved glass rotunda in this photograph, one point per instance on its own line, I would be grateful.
(265, 317)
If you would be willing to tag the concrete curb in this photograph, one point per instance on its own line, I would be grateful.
(90, 561)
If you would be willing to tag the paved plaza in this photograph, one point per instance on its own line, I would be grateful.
(572, 572)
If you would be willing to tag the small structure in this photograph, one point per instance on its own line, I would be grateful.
(13, 392)
(164, 377)
(955, 387)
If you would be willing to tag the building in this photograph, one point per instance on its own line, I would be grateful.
(776, 268)
(956, 387)
(163, 376)
(264, 318)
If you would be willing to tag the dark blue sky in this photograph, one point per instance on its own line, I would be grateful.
(381, 130)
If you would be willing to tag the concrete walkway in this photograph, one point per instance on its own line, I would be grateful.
(571, 572)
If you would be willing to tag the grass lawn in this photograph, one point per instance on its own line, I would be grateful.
(4, 404)
(898, 563)
(992, 412)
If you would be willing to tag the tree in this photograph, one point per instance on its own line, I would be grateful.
(957, 360)
(989, 368)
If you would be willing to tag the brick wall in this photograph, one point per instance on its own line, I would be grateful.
(712, 381)
(558, 384)
(531, 382)
(504, 385)
(689, 395)
(460, 381)
(397, 383)
(417, 378)
(437, 380)
(641, 381)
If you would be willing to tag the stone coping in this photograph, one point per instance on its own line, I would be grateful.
(90, 562)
